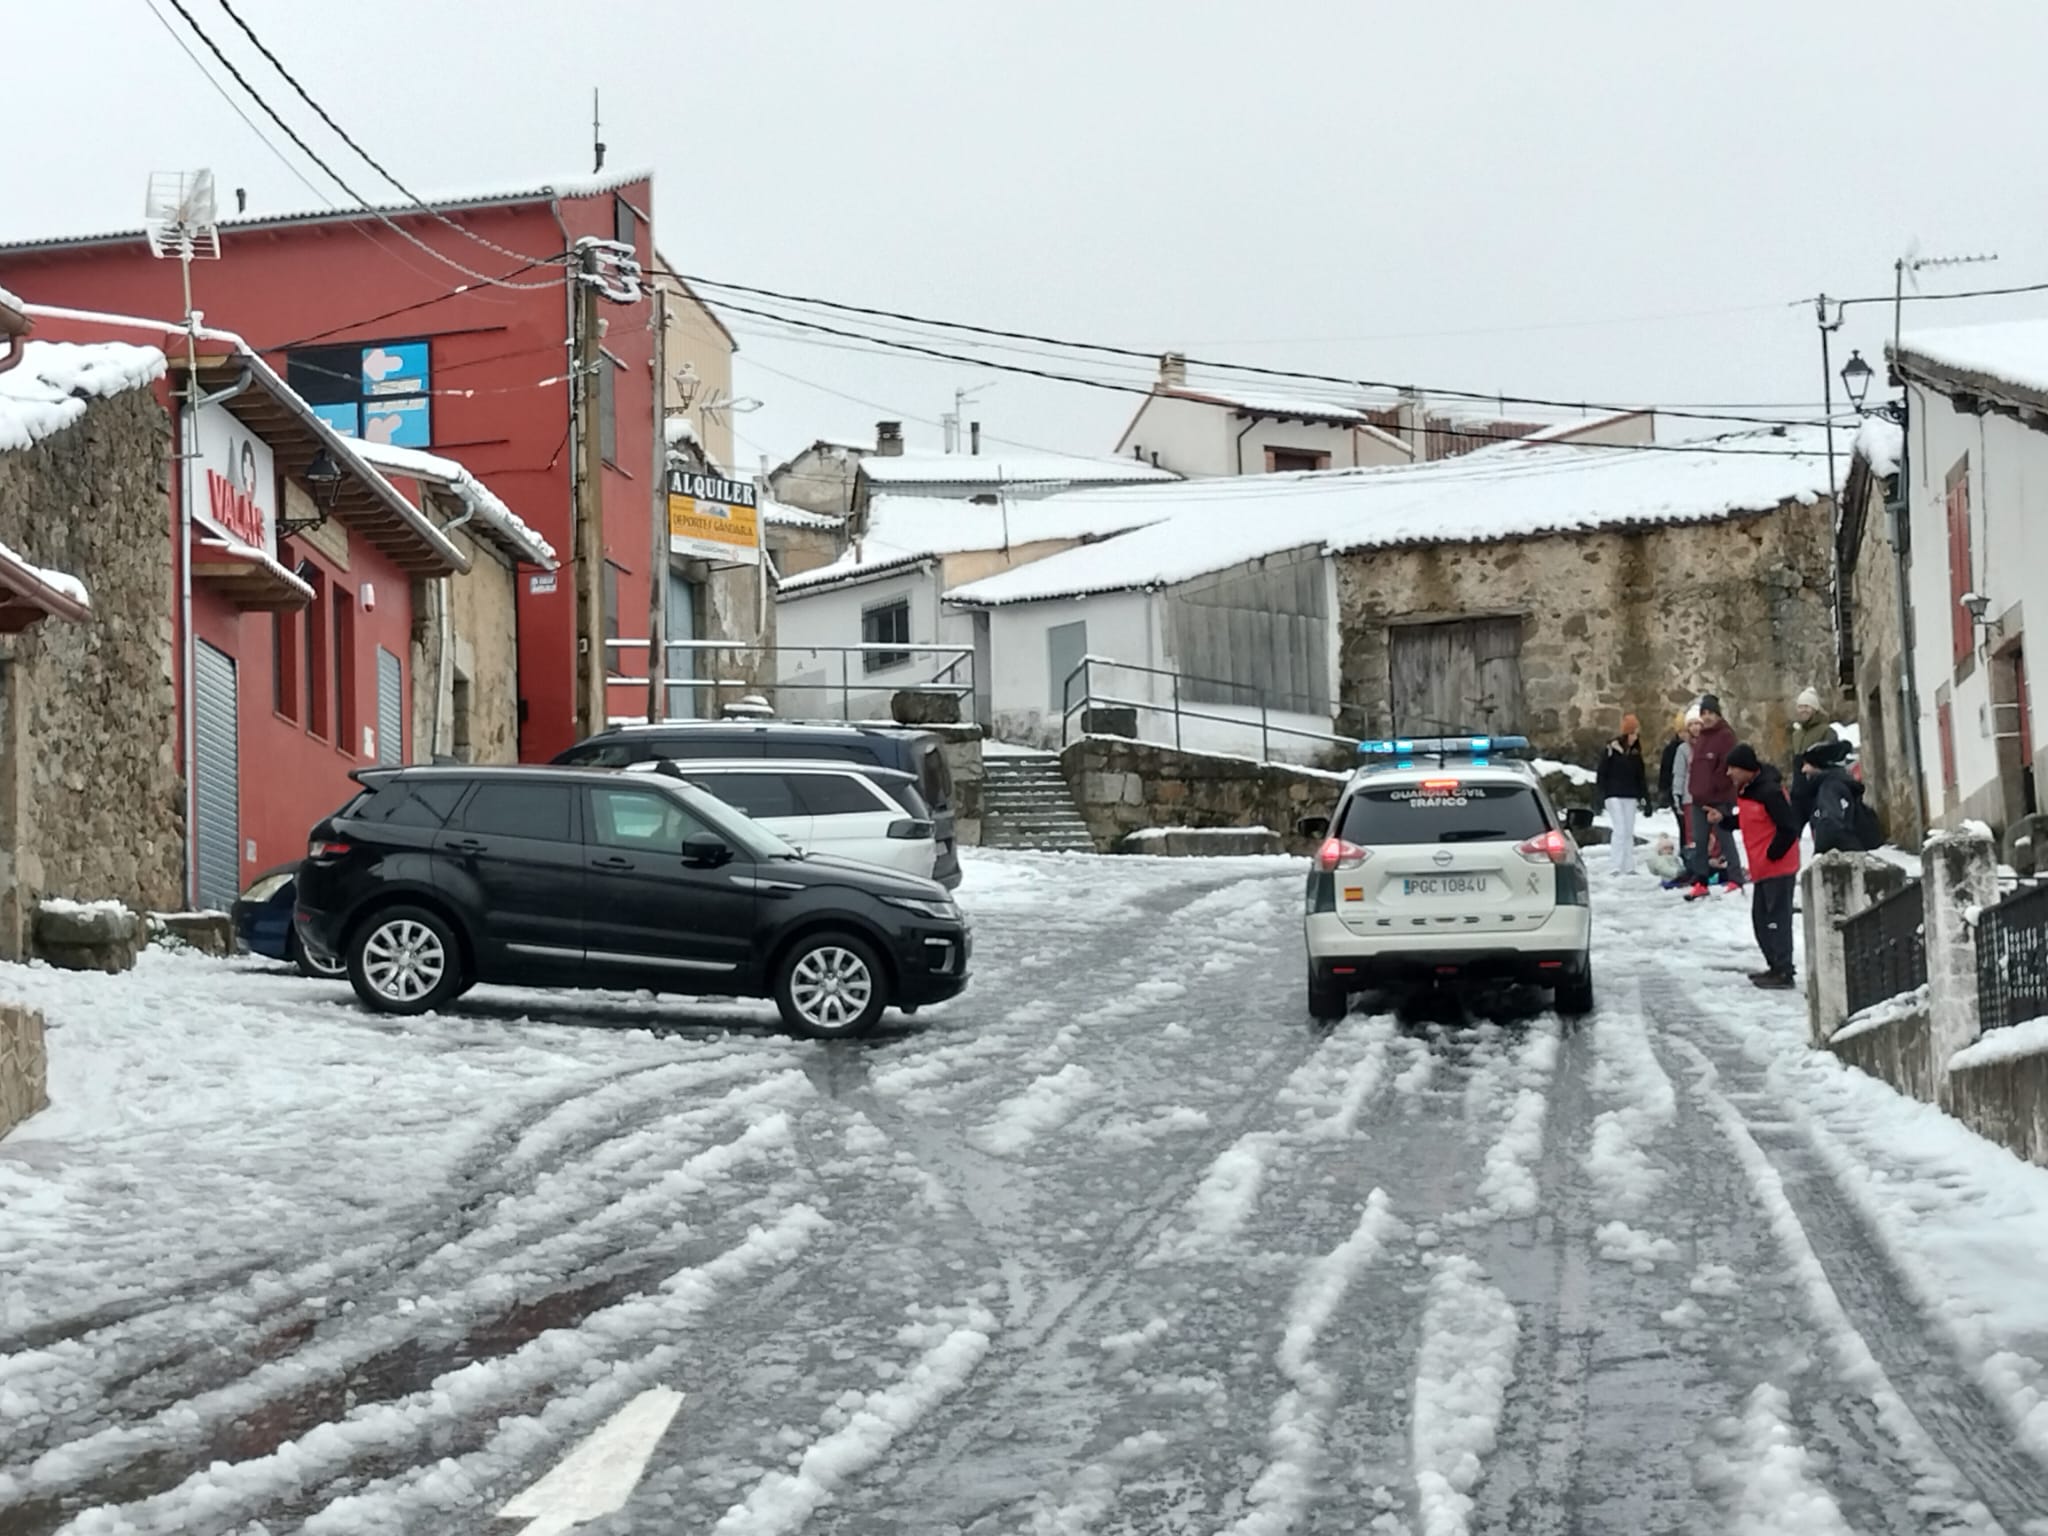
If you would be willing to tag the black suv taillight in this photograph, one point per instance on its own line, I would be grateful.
(327, 848)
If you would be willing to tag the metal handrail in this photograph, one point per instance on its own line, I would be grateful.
(943, 680)
(1267, 729)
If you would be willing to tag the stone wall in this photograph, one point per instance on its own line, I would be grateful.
(1616, 621)
(2006, 1102)
(24, 1065)
(962, 747)
(1123, 787)
(1887, 753)
(1899, 1051)
(482, 654)
(91, 791)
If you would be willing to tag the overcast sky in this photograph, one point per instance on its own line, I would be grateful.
(1598, 201)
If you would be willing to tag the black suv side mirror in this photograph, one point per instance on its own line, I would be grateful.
(705, 850)
(1577, 818)
(1313, 826)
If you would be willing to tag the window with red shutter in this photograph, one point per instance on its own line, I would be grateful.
(1962, 629)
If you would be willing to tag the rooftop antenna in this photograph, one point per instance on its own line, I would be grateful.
(1907, 270)
(596, 134)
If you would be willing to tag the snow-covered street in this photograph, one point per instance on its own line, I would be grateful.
(1116, 1242)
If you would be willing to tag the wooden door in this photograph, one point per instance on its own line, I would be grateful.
(1459, 677)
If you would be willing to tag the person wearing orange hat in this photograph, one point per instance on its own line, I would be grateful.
(1623, 784)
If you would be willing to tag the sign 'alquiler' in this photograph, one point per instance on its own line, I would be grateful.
(712, 518)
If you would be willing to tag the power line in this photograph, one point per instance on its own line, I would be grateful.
(307, 150)
(403, 309)
(1937, 298)
(1150, 356)
(342, 133)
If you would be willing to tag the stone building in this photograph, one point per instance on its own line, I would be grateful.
(1542, 589)
(91, 798)
(1873, 576)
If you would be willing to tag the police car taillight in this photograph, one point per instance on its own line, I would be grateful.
(1552, 846)
(1337, 854)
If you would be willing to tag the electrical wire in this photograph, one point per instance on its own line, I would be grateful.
(390, 314)
(307, 150)
(343, 134)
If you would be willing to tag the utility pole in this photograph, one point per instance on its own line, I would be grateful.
(658, 577)
(588, 561)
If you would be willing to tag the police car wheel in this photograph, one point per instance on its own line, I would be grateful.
(1326, 1003)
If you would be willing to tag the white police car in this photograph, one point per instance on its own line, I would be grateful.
(1444, 862)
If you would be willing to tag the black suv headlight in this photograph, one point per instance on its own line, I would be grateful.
(938, 908)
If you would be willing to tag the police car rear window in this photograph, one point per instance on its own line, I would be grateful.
(1448, 812)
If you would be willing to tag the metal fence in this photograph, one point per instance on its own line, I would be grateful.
(2012, 958)
(798, 681)
(1885, 948)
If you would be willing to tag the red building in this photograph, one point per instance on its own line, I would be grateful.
(447, 331)
(291, 565)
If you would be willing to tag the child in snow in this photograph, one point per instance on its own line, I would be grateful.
(1665, 863)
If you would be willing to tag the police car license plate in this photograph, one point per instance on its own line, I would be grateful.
(1444, 885)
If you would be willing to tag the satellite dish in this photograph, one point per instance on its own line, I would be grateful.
(180, 217)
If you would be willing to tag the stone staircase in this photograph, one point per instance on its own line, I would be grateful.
(1025, 803)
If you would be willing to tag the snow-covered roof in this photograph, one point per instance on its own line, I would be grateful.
(902, 530)
(1023, 467)
(780, 514)
(1880, 443)
(509, 530)
(51, 386)
(1283, 406)
(9, 300)
(565, 186)
(60, 582)
(1200, 526)
(2014, 353)
(1579, 426)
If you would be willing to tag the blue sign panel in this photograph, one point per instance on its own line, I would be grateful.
(395, 369)
(404, 423)
(345, 419)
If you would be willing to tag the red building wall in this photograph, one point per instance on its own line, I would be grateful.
(499, 361)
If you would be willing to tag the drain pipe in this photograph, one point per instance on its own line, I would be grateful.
(447, 624)
(188, 644)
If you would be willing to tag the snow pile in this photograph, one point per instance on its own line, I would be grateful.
(780, 514)
(13, 301)
(1160, 834)
(1019, 470)
(1049, 1103)
(1509, 1185)
(1468, 1360)
(64, 906)
(2013, 352)
(1768, 1476)
(1223, 1202)
(1301, 1418)
(55, 381)
(1192, 528)
(1619, 1243)
(60, 581)
(1572, 772)
(902, 530)
(1625, 1067)
(677, 430)
(479, 499)
(1881, 443)
(1284, 407)
(1891, 1011)
(863, 1429)
(2027, 1038)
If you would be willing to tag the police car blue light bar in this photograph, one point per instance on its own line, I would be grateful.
(1442, 746)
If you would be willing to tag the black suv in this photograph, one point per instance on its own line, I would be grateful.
(906, 749)
(433, 879)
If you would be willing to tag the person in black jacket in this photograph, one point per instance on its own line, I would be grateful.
(1770, 831)
(1833, 800)
(1623, 785)
(1667, 766)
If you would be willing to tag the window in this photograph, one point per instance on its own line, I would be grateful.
(885, 624)
(608, 407)
(1962, 628)
(640, 819)
(422, 803)
(319, 659)
(759, 795)
(1476, 813)
(837, 794)
(539, 811)
(625, 223)
(459, 707)
(1283, 460)
(287, 670)
(381, 391)
(347, 714)
(611, 617)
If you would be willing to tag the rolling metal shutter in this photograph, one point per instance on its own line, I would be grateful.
(217, 780)
(390, 709)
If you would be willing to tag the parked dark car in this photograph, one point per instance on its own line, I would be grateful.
(262, 916)
(917, 753)
(433, 879)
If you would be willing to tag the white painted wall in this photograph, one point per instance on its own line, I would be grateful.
(1194, 438)
(2009, 549)
(832, 616)
(1123, 625)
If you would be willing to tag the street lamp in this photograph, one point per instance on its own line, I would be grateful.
(1856, 376)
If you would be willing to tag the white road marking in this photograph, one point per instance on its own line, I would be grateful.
(600, 1474)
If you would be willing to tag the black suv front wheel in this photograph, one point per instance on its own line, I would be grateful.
(405, 960)
(831, 985)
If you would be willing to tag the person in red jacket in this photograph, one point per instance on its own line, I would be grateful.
(1710, 790)
(1770, 835)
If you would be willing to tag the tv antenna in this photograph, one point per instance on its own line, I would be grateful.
(1907, 270)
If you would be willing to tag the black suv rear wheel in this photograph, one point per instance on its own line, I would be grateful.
(831, 985)
(405, 960)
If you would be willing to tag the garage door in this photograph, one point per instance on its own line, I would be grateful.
(390, 709)
(1452, 678)
(217, 786)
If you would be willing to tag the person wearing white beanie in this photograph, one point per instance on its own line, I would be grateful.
(1810, 727)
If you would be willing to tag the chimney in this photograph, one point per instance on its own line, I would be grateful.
(1411, 418)
(889, 439)
(1173, 371)
(974, 437)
